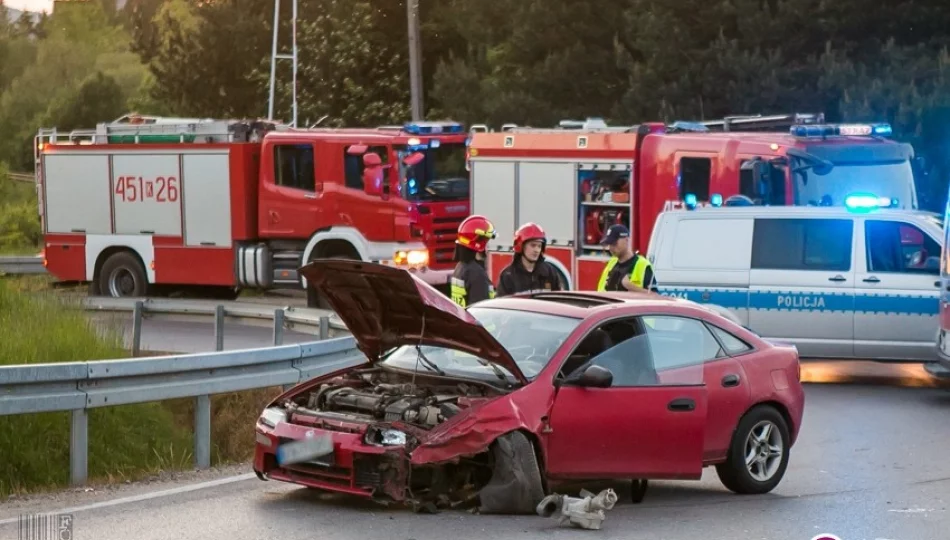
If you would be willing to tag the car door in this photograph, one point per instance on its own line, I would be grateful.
(642, 426)
(897, 299)
(802, 283)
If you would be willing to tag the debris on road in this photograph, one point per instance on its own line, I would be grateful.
(586, 512)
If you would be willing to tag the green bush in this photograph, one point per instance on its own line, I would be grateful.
(20, 230)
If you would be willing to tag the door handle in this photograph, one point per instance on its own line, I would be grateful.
(274, 216)
(937, 284)
(839, 277)
(730, 380)
(681, 404)
(871, 279)
(310, 196)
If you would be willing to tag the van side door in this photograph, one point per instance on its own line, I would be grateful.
(801, 285)
(897, 295)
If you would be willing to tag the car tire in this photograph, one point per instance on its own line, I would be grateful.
(516, 486)
(751, 439)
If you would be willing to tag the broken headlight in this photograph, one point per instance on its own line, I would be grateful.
(385, 437)
(273, 416)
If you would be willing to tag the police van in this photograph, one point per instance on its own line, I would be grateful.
(855, 281)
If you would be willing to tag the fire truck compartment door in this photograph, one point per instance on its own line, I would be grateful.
(146, 192)
(547, 195)
(207, 200)
(494, 195)
(76, 189)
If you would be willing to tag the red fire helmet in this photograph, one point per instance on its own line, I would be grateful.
(475, 232)
(528, 232)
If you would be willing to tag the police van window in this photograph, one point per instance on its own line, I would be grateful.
(694, 177)
(802, 244)
(353, 165)
(892, 246)
(730, 343)
(294, 167)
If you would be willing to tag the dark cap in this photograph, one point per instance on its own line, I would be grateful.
(614, 233)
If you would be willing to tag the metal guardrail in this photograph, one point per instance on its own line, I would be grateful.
(305, 320)
(22, 264)
(80, 386)
(21, 177)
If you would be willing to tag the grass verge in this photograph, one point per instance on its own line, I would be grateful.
(126, 442)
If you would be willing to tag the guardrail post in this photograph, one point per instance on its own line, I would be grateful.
(79, 447)
(137, 328)
(219, 328)
(278, 327)
(324, 327)
(202, 432)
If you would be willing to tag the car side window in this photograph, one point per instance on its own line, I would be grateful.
(732, 344)
(802, 244)
(895, 247)
(678, 342)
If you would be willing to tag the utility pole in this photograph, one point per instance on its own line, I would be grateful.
(275, 57)
(415, 60)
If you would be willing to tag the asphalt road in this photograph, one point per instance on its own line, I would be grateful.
(871, 464)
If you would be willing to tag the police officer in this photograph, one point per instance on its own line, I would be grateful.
(470, 282)
(626, 270)
(528, 271)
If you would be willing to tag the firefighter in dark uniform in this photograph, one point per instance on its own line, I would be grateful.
(470, 282)
(626, 270)
(528, 272)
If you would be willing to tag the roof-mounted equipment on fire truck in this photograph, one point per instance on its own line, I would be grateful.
(433, 128)
(138, 129)
(831, 130)
(760, 122)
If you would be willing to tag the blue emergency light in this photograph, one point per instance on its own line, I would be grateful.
(863, 202)
(716, 199)
(432, 128)
(830, 130)
(690, 201)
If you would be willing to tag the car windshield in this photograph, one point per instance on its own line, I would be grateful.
(530, 338)
(894, 179)
(441, 176)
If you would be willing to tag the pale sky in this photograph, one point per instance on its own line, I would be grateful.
(30, 5)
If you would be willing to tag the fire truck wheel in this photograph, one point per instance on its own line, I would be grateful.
(123, 275)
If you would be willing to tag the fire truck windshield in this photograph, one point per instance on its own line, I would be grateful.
(893, 179)
(441, 176)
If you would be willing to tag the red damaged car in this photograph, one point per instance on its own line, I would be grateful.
(494, 405)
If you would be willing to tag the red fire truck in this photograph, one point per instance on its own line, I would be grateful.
(579, 178)
(229, 204)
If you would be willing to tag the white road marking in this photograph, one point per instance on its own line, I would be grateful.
(146, 496)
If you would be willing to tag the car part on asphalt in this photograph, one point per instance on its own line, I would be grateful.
(585, 513)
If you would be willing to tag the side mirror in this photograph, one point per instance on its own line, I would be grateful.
(414, 158)
(592, 377)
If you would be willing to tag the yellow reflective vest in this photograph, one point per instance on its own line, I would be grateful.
(636, 276)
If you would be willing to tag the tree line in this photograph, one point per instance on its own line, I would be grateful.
(530, 62)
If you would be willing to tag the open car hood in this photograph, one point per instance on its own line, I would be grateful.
(384, 307)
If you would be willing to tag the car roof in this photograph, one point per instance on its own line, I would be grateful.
(800, 211)
(579, 304)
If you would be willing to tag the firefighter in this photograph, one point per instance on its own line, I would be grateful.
(626, 270)
(528, 271)
(470, 282)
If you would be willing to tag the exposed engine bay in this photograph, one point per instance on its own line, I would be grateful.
(378, 395)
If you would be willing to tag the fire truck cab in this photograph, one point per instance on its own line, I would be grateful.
(230, 204)
(579, 178)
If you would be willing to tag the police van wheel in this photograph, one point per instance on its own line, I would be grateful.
(758, 454)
